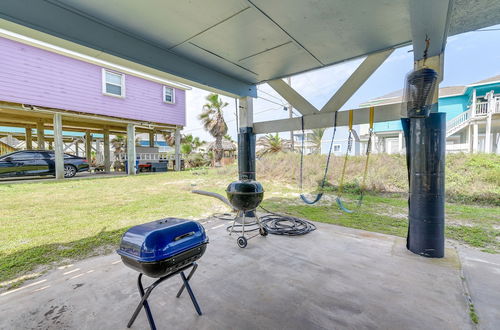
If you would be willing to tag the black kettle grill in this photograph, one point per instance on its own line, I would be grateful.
(245, 195)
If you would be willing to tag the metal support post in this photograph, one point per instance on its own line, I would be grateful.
(58, 146)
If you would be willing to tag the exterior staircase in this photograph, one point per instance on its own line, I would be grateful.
(459, 122)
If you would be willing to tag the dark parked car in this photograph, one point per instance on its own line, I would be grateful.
(39, 162)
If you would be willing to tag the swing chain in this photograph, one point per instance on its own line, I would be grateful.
(349, 142)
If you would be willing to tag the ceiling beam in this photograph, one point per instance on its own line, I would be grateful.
(325, 119)
(62, 21)
(291, 96)
(16, 124)
(430, 20)
(356, 80)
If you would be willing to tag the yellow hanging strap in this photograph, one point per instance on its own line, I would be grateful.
(351, 114)
(349, 142)
(368, 147)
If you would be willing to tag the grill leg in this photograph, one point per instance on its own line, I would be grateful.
(191, 294)
(195, 265)
(258, 220)
(143, 303)
(234, 223)
(243, 225)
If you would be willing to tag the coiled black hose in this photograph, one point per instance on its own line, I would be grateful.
(280, 224)
(275, 223)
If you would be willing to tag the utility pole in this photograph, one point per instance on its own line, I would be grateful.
(290, 114)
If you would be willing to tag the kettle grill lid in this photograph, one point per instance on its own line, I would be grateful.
(245, 186)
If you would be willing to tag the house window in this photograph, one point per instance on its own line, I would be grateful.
(337, 148)
(113, 83)
(168, 94)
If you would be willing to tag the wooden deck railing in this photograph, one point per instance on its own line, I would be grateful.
(483, 108)
(149, 156)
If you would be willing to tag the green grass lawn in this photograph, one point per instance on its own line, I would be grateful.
(48, 223)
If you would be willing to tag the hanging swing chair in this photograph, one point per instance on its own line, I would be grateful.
(362, 188)
(322, 185)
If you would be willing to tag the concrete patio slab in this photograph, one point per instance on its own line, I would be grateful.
(333, 278)
(482, 272)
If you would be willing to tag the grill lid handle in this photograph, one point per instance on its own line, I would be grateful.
(184, 236)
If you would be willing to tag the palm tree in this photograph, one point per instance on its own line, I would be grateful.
(189, 143)
(273, 144)
(195, 142)
(228, 137)
(212, 118)
(169, 138)
(316, 138)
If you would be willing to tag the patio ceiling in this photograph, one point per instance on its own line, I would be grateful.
(231, 45)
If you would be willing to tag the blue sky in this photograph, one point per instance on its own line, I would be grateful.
(469, 57)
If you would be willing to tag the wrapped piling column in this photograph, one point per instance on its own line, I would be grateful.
(246, 153)
(426, 147)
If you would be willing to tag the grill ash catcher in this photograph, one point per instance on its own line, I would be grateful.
(162, 249)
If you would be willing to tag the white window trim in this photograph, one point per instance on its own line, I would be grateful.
(165, 93)
(104, 83)
(340, 147)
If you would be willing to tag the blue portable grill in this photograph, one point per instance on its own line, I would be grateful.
(162, 249)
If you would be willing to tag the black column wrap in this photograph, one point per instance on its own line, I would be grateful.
(426, 144)
(246, 153)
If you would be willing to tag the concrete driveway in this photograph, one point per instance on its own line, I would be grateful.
(333, 278)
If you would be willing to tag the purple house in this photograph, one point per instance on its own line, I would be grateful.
(45, 88)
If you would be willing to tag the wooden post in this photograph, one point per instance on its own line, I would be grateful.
(177, 149)
(40, 135)
(88, 146)
(400, 142)
(58, 146)
(131, 155)
(473, 104)
(29, 138)
(152, 139)
(469, 138)
(98, 147)
(487, 136)
(290, 115)
(107, 152)
(475, 138)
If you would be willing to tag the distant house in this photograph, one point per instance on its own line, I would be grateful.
(472, 114)
(306, 138)
(93, 97)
